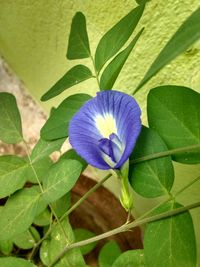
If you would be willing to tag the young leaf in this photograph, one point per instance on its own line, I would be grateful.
(19, 212)
(83, 234)
(10, 120)
(108, 254)
(155, 177)
(185, 36)
(17, 262)
(57, 125)
(60, 179)
(170, 242)
(54, 245)
(27, 239)
(113, 69)
(45, 148)
(78, 46)
(12, 174)
(130, 258)
(173, 111)
(74, 76)
(117, 36)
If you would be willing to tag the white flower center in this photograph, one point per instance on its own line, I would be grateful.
(106, 125)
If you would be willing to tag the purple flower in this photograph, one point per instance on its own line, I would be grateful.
(104, 131)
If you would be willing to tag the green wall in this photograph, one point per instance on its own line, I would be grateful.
(33, 40)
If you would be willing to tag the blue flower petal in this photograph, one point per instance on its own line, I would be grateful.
(104, 131)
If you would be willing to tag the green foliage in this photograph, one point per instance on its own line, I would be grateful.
(113, 69)
(19, 212)
(173, 111)
(83, 234)
(170, 242)
(6, 247)
(57, 125)
(27, 239)
(78, 46)
(116, 37)
(185, 36)
(12, 174)
(10, 120)
(141, 1)
(17, 262)
(45, 148)
(39, 167)
(61, 205)
(72, 77)
(71, 154)
(44, 218)
(108, 254)
(60, 179)
(130, 258)
(151, 178)
(50, 248)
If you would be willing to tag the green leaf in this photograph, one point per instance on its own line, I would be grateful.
(57, 125)
(71, 154)
(27, 239)
(83, 234)
(62, 205)
(45, 148)
(108, 254)
(172, 239)
(117, 36)
(6, 246)
(15, 262)
(130, 258)
(10, 120)
(78, 46)
(113, 69)
(19, 212)
(60, 179)
(173, 111)
(155, 177)
(185, 36)
(41, 166)
(141, 1)
(72, 77)
(44, 218)
(12, 174)
(52, 247)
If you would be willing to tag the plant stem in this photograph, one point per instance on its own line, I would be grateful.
(124, 228)
(170, 197)
(187, 186)
(84, 197)
(32, 254)
(96, 74)
(78, 203)
(155, 207)
(165, 153)
(42, 190)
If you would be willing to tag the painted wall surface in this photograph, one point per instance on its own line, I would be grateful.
(33, 40)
